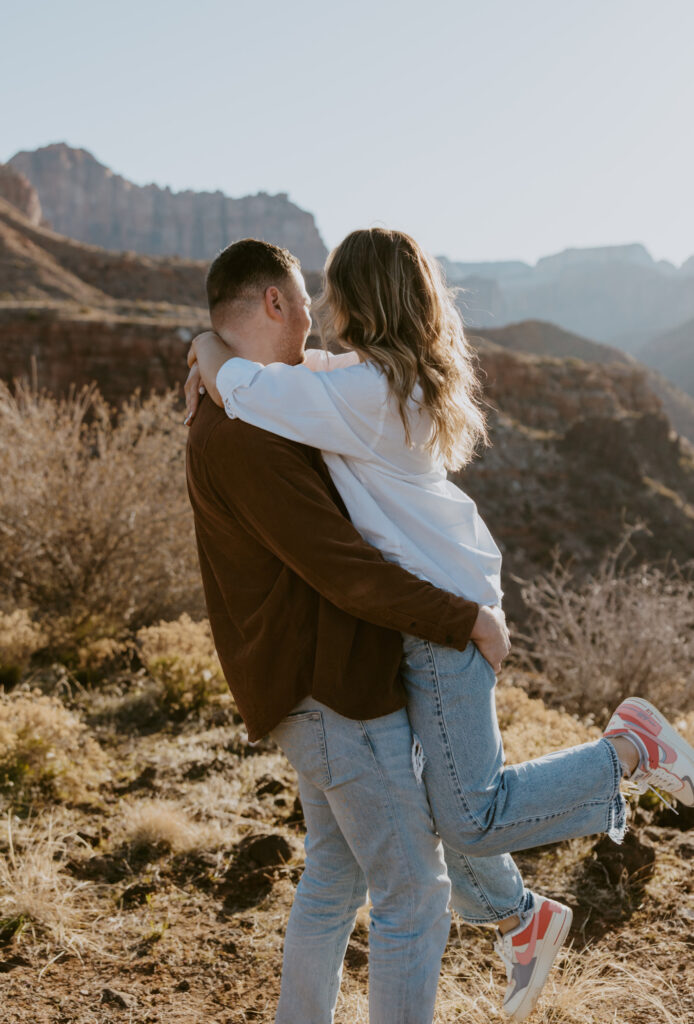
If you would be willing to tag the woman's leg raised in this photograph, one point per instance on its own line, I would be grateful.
(481, 806)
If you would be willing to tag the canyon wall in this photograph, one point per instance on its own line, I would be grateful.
(85, 200)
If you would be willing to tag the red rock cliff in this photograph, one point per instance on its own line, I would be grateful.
(85, 200)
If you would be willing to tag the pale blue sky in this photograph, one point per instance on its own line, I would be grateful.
(492, 130)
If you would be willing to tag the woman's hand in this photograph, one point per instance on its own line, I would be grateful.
(193, 389)
(206, 355)
(490, 634)
(198, 342)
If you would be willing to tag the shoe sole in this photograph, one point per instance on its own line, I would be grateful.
(551, 945)
(673, 739)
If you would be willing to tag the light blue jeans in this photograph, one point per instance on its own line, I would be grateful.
(368, 824)
(483, 809)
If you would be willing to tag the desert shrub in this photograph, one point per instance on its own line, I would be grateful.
(618, 632)
(96, 659)
(181, 657)
(19, 639)
(530, 729)
(46, 752)
(95, 526)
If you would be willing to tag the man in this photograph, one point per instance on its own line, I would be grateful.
(307, 619)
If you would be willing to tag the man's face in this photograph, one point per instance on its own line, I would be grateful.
(270, 339)
(299, 314)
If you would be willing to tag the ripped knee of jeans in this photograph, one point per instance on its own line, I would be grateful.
(418, 758)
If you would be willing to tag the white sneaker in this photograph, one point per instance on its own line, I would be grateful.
(669, 760)
(529, 952)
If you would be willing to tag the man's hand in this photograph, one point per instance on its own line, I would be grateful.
(491, 635)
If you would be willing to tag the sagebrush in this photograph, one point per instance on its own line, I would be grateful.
(181, 657)
(46, 752)
(621, 631)
(96, 532)
(20, 638)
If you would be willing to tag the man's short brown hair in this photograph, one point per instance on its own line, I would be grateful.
(247, 267)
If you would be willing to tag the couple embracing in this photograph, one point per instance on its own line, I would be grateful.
(354, 598)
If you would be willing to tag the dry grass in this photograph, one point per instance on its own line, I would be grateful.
(590, 987)
(165, 824)
(594, 987)
(95, 526)
(620, 632)
(37, 894)
(155, 897)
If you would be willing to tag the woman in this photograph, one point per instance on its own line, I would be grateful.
(391, 415)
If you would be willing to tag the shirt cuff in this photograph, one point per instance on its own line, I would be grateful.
(235, 373)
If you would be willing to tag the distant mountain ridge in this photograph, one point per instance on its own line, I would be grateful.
(618, 295)
(85, 200)
(672, 353)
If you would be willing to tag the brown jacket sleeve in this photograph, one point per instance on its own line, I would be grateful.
(271, 486)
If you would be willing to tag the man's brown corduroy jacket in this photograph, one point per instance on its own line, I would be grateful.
(298, 602)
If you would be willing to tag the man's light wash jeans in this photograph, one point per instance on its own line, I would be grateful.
(368, 824)
(484, 809)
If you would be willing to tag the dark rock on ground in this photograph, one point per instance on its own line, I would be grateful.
(266, 851)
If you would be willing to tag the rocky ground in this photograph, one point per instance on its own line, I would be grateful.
(163, 897)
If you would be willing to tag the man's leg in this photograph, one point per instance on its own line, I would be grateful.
(365, 771)
(331, 890)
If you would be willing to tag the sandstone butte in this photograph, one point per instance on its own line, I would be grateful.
(85, 200)
(583, 439)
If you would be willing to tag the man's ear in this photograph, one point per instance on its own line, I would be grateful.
(273, 303)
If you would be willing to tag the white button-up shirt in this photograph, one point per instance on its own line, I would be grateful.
(398, 497)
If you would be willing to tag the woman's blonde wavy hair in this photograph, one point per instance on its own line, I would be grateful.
(386, 299)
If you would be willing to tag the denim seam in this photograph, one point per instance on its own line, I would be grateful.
(479, 890)
(323, 745)
(458, 789)
(405, 861)
(546, 817)
(339, 959)
(598, 802)
(472, 878)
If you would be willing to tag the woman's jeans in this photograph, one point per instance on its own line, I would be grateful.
(368, 823)
(484, 809)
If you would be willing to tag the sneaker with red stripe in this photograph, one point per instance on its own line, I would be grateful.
(666, 760)
(529, 952)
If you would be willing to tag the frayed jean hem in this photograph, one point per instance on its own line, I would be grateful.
(522, 910)
(616, 823)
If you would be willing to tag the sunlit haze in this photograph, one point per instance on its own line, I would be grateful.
(491, 130)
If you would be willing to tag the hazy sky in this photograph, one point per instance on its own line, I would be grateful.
(501, 129)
